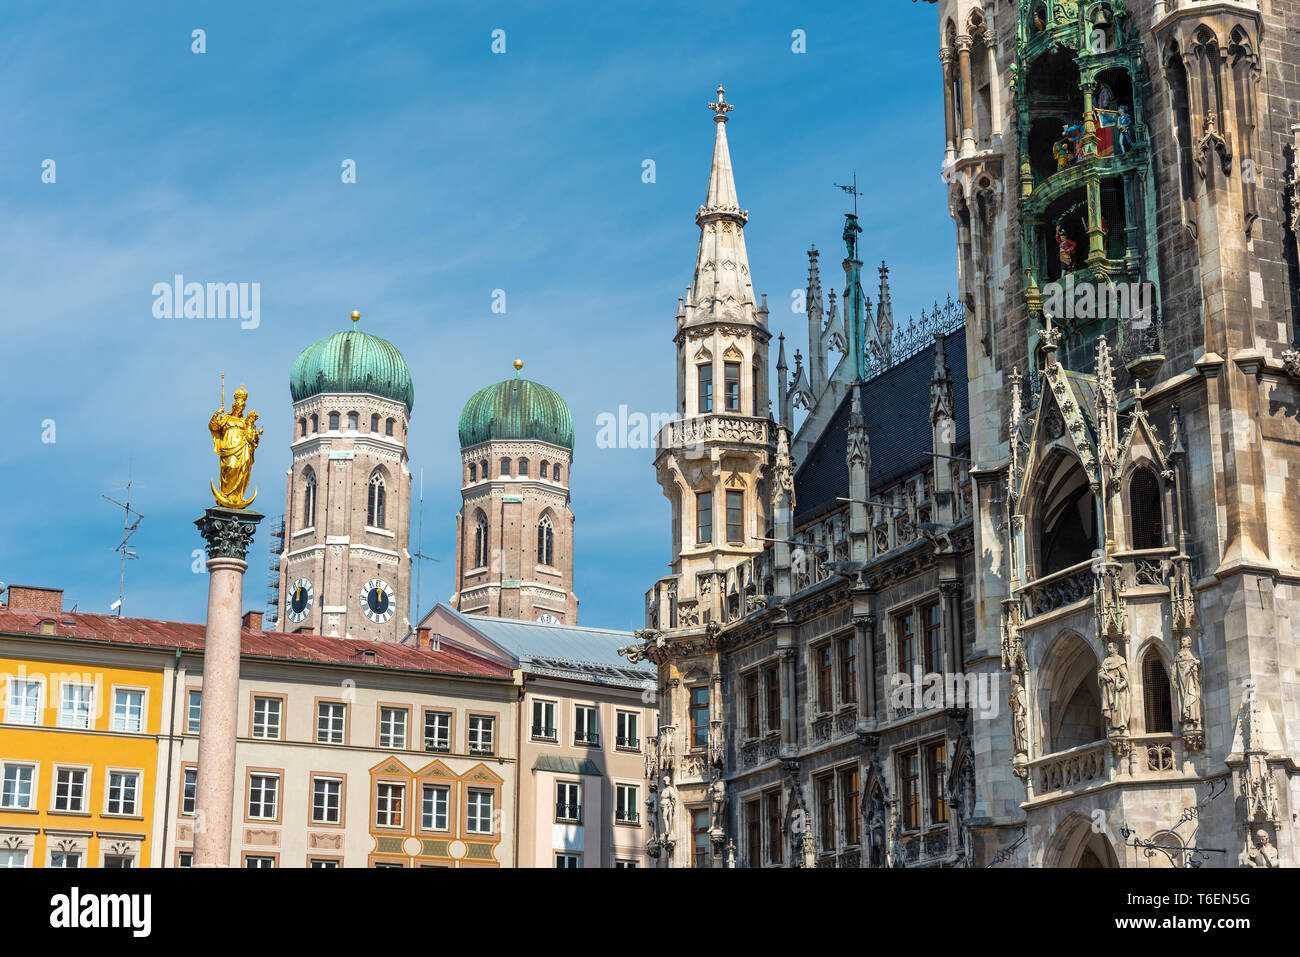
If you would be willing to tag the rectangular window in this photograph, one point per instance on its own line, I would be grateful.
(259, 861)
(910, 775)
(933, 624)
(731, 372)
(16, 789)
(119, 860)
(826, 812)
(544, 720)
(906, 644)
(330, 722)
(185, 859)
(754, 833)
(627, 864)
(193, 712)
(481, 733)
(437, 731)
(392, 728)
(700, 716)
(568, 861)
(65, 859)
(568, 802)
(326, 801)
(123, 792)
(848, 654)
(849, 801)
(434, 805)
(824, 666)
(735, 516)
(189, 791)
(128, 710)
(585, 730)
(626, 806)
(751, 707)
(390, 804)
(772, 809)
(700, 838)
(266, 718)
(703, 518)
(706, 387)
(23, 704)
(627, 730)
(323, 862)
(13, 859)
(263, 796)
(478, 817)
(774, 698)
(76, 705)
(936, 757)
(70, 790)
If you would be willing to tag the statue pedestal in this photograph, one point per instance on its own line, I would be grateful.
(227, 533)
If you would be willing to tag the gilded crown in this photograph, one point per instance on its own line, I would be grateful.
(241, 393)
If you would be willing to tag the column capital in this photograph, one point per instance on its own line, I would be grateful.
(945, 55)
(963, 43)
(228, 532)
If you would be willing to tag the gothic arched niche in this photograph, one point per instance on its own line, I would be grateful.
(1068, 696)
(1064, 514)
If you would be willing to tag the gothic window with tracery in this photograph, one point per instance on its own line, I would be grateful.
(375, 501)
(309, 498)
(545, 541)
(480, 540)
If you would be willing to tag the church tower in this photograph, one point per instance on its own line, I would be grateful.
(514, 531)
(346, 566)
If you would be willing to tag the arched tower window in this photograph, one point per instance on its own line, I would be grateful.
(388, 427)
(375, 501)
(505, 468)
(523, 468)
(1145, 515)
(1155, 695)
(480, 539)
(545, 541)
(543, 469)
(334, 421)
(315, 424)
(483, 467)
(353, 424)
(473, 472)
(302, 427)
(309, 498)
(557, 471)
(374, 422)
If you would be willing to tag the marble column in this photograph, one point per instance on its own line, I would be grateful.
(949, 114)
(227, 532)
(967, 97)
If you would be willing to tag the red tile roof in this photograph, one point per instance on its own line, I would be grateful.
(149, 633)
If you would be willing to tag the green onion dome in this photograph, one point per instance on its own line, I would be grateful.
(516, 409)
(352, 361)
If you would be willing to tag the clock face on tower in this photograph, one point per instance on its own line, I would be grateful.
(377, 601)
(300, 598)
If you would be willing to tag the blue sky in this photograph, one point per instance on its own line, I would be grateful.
(476, 171)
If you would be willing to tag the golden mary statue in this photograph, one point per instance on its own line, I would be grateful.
(234, 438)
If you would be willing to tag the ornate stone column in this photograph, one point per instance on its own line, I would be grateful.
(227, 533)
(866, 626)
(949, 116)
(788, 701)
(967, 94)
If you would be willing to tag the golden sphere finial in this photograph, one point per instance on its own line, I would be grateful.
(519, 364)
(356, 316)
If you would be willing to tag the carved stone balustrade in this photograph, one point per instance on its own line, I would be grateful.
(1059, 589)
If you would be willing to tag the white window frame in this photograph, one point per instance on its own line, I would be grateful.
(387, 738)
(474, 814)
(77, 852)
(384, 805)
(9, 853)
(279, 718)
(27, 680)
(185, 772)
(66, 721)
(545, 704)
(586, 721)
(193, 724)
(33, 784)
(336, 808)
(136, 797)
(576, 860)
(342, 731)
(261, 804)
(634, 804)
(144, 709)
(622, 720)
(84, 805)
(444, 791)
(442, 725)
(482, 734)
(568, 794)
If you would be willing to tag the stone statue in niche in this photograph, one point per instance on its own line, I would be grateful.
(1262, 853)
(1019, 717)
(1187, 676)
(1112, 678)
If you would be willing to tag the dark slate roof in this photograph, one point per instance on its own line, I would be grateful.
(896, 406)
(561, 765)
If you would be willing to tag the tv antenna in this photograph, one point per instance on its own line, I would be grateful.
(129, 529)
(852, 191)
(419, 555)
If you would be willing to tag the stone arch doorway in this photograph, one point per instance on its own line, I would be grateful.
(1077, 845)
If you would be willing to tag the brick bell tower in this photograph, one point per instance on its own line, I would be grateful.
(514, 530)
(346, 565)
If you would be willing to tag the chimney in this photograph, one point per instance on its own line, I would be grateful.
(253, 620)
(427, 640)
(34, 598)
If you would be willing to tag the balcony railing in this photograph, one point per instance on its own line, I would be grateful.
(1071, 770)
(586, 737)
(568, 813)
(633, 744)
(627, 817)
(1060, 588)
(546, 734)
(433, 744)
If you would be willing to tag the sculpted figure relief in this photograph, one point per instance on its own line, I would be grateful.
(1263, 854)
(1187, 676)
(1112, 678)
(1019, 716)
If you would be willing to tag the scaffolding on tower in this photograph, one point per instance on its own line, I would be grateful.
(272, 616)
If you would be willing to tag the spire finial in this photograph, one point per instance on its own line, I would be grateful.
(721, 107)
(519, 364)
(356, 317)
